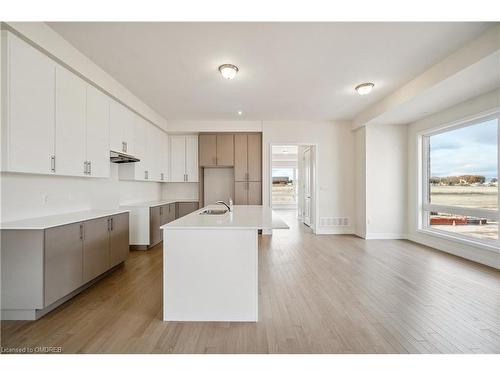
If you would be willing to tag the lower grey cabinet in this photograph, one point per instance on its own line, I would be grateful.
(63, 261)
(95, 248)
(184, 208)
(118, 239)
(154, 225)
(158, 216)
(41, 267)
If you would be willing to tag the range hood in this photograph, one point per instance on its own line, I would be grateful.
(118, 157)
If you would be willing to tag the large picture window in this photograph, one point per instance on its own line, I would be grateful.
(460, 181)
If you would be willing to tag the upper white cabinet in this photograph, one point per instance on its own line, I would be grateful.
(122, 128)
(28, 122)
(184, 158)
(70, 124)
(97, 133)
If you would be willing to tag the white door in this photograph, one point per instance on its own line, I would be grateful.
(70, 123)
(192, 158)
(177, 158)
(30, 95)
(97, 132)
(307, 186)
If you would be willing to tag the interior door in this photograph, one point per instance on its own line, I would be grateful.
(97, 132)
(177, 158)
(70, 123)
(307, 186)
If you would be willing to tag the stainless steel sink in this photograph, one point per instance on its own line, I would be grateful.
(213, 212)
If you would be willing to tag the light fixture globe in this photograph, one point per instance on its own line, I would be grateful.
(364, 88)
(228, 71)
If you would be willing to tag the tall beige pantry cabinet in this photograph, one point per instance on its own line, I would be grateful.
(248, 169)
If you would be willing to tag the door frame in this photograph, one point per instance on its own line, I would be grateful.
(315, 179)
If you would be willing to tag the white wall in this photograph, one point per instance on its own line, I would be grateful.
(386, 181)
(28, 195)
(360, 182)
(459, 112)
(335, 164)
(180, 190)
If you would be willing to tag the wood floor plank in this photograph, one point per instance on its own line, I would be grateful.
(317, 294)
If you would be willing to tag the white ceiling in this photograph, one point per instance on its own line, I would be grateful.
(288, 71)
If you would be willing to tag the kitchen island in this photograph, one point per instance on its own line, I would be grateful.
(210, 263)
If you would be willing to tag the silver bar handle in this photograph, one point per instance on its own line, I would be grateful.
(85, 167)
(52, 163)
(81, 231)
(90, 167)
(109, 224)
(111, 220)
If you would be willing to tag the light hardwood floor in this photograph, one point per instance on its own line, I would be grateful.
(318, 294)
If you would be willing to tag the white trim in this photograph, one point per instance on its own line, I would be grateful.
(466, 240)
(386, 236)
(347, 230)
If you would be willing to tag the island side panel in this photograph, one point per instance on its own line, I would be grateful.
(210, 275)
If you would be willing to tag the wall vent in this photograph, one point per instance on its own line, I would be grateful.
(334, 221)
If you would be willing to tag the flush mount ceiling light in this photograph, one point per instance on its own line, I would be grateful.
(228, 71)
(240, 113)
(364, 88)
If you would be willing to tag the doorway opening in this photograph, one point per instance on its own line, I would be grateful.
(293, 181)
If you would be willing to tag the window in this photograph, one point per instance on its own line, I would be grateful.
(460, 181)
(284, 186)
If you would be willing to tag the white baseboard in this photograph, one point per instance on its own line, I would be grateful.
(386, 236)
(324, 230)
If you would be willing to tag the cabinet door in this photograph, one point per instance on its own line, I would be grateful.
(240, 157)
(208, 150)
(63, 261)
(254, 192)
(70, 123)
(184, 208)
(192, 158)
(97, 132)
(116, 132)
(154, 225)
(225, 150)
(30, 109)
(155, 161)
(95, 248)
(254, 157)
(118, 239)
(240, 193)
(164, 157)
(142, 151)
(177, 158)
(171, 212)
(121, 128)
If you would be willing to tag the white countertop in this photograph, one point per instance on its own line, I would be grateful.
(45, 222)
(149, 204)
(242, 217)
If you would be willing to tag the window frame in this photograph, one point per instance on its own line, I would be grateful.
(425, 207)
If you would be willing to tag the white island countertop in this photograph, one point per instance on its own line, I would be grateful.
(45, 222)
(241, 217)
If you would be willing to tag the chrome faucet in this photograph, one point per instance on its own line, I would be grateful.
(225, 204)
